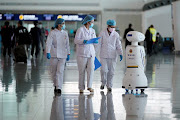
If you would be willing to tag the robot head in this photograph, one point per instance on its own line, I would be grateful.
(135, 36)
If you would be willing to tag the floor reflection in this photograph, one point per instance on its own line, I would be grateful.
(134, 105)
(85, 108)
(57, 112)
(23, 84)
(7, 78)
(26, 92)
(107, 107)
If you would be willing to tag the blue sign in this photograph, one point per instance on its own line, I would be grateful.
(72, 17)
(43, 17)
(8, 17)
(48, 17)
(28, 17)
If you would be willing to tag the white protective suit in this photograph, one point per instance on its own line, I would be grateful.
(58, 47)
(85, 55)
(110, 47)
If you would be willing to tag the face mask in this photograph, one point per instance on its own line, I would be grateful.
(91, 25)
(63, 27)
(40, 26)
(111, 29)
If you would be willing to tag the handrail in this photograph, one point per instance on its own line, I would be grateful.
(156, 4)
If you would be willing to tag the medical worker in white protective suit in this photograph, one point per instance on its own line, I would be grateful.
(85, 52)
(109, 46)
(58, 51)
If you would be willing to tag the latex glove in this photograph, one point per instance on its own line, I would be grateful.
(85, 41)
(121, 57)
(93, 40)
(68, 57)
(48, 56)
(90, 42)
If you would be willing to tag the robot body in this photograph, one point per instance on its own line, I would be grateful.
(135, 77)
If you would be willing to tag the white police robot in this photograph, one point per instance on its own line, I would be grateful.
(135, 77)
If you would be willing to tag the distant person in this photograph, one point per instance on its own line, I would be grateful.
(159, 41)
(52, 28)
(42, 38)
(125, 32)
(74, 32)
(0, 35)
(13, 36)
(36, 36)
(46, 32)
(148, 41)
(22, 36)
(6, 38)
(153, 32)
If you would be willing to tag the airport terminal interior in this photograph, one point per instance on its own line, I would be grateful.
(26, 88)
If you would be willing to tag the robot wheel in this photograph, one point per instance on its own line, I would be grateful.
(142, 90)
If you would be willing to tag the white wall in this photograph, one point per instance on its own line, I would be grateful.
(51, 5)
(161, 19)
(176, 20)
(124, 4)
(72, 5)
(123, 19)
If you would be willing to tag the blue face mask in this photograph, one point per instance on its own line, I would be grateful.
(63, 27)
(91, 25)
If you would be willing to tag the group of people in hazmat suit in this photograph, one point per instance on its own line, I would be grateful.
(87, 46)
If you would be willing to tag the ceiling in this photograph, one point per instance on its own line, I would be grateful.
(73, 5)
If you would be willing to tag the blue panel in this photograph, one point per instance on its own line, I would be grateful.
(8, 17)
(43, 17)
(129, 35)
(48, 17)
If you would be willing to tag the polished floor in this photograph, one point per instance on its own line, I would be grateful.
(26, 92)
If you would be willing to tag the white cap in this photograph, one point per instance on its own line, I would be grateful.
(135, 36)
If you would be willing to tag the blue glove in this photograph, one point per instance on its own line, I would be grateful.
(48, 56)
(90, 42)
(68, 57)
(121, 57)
(93, 40)
(85, 41)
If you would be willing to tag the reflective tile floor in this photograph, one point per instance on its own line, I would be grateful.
(26, 92)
